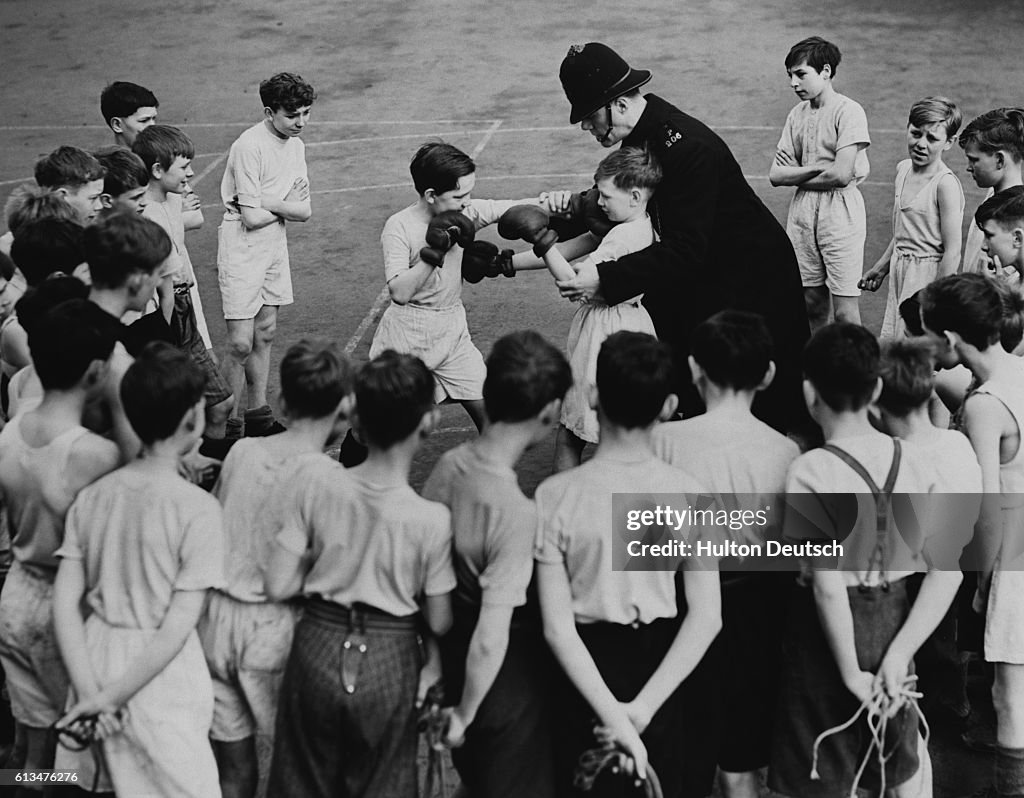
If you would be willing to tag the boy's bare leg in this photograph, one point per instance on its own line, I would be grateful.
(847, 308)
(257, 365)
(568, 449)
(239, 349)
(920, 784)
(475, 408)
(217, 417)
(236, 762)
(816, 303)
(1008, 698)
(739, 785)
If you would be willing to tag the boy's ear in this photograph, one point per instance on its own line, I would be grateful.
(268, 112)
(106, 201)
(346, 407)
(592, 398)
(696, 372)
(116, 124)
(430, 195)
(156, 170)
(877, 390)
(63, 191)
(826, 71)
(768, 378)
(550, 413)
(810, 395)
(1000, 159)
(95, 374)
(668, 407)
(636, 196)
(430, 421)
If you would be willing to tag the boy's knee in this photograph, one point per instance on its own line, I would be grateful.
(239, 347)
(218, 413)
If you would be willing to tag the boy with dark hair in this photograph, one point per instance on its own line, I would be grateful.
(593, 613)
(1001, 221)
(126, 180)
(142, 548)
(128, 109)
(497, 668)
(246, 637)
(743, 462)
(366, 553)
(46, 458)
(75, 175)
(852, 632)
(822, 152)
(265, 185)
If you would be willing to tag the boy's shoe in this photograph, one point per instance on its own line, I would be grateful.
(260, 423)
(233, 429)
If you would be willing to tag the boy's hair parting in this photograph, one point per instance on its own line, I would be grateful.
(123, 99)
(66, 340)
(998, 129)
(931, 110)
(634, 377)
(125, 170)
(968, 304)
(162, 144)
(315, 376)
(815, 52)
(629, 168)
(907, 369)
(67, 167)
(46, 246)
(393, 393)
(525, 373)
(122, 243)
(286, 91)
(158, 389)
(841, 362)
(28, 203)
(39, 300)
(733, 348)
(1005, 208)
(439, 166)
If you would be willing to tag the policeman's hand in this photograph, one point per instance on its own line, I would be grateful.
(584, 287)
(557, 203)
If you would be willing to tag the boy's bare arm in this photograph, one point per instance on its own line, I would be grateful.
(285, 574)
(873, 277)
(839, 173)
(484, 659)
(702, 623)
(570, 250)
(837, 623)
(124, 436)
(295, 207)
(785, 171)
(191, 210)
(951, 217)
(68, 590)
(986, 419)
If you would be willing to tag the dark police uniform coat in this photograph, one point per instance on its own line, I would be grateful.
(720, 248)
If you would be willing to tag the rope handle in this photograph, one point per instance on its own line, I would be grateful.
(610, 757)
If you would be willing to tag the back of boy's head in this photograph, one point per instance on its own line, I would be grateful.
(998, 129)
(734, 349)
(841, 362)
(1011, 331)
(123, 243)
(28, 203)
(908, 375)
(815, 52)
(315, 376)
(158, 389)
(393, 393)
(286, 91)
(125, 170)
(39, 300)
(967, 304)
(67, 167)
(634, 377)
(65, 342)
(936, 110)
(46, 246)
(122, 99)
(630, 167)
(162, 144)
(439, 166)
(1005, 209)
(525, 373)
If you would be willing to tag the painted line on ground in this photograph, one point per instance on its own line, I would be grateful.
(248, 122)
(384, 296)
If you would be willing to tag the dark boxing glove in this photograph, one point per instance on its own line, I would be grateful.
(585, 206)
(432, 257)
(483, 259)
(528, 223)
(448, 229)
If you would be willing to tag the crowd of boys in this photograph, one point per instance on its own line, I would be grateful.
(283, 634)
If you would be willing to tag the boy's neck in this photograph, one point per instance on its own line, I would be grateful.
(112, 301)
(389, 467)
(928, 169)
(638, 213)
(63, 408)
(273, 130)
(846, 424)
(504, 442)
(721, 401)
(1011, 177)
(623, 445)
(988, 363)
(824, 97)
(162, 456)
(155, 192)
(916, 426)
(303, 435)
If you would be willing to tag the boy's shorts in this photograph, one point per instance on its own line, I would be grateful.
(187, 337)
(246, 647)
(1004, 618)
(252, 268)
(828, 230)
(37, 681)
(440, 338)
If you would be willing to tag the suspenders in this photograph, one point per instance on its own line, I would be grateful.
(883, 501)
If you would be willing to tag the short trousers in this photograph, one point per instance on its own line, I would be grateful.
(440, 338)
(246, 647)
(828, 230)
(908, 274)
(1004, 617)
(252, 269)
(36, 679)
(187, 337)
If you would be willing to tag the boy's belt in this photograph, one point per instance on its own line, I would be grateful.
(360, 617)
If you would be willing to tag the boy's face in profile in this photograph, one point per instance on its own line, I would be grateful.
(984, 167)
(458, 198)
(134, 199)
(1003, 243)
(85, 199)
(131, 126)
(175, 177)
(618, 203)
(807, 81)
(288, 124)
(927, 143)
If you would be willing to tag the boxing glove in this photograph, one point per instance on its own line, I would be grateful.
(448, 229)
(528, 223)
(483, 259)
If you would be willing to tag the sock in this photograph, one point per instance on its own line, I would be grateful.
(256, 421)
(233, 428)
(217, 448)
(352, 451)
(1009, 772)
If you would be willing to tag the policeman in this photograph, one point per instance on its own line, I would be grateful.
(719, 244)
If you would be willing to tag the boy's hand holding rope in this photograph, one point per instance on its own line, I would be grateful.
(611, 756)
